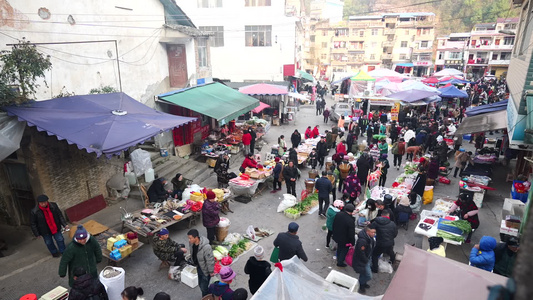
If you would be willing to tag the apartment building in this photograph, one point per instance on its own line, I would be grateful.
(450, 50)
(402, 41)
(490, 46)
(254, 40)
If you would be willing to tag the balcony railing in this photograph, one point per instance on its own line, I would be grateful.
(386, 56)
(389, 31)
(499, 62)
(388, 44)
(478, 61)
(490, 46)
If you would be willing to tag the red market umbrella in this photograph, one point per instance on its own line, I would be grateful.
(260, 107)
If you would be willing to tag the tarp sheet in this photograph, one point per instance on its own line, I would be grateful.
(452, 92)
(423, 275)
(482, 109)
(260, 107)
(263, 89)
(103, 123)
(214, 100)
(484, 122)
(11, 131)
(297, 282)
(412, 95)
(448, 72)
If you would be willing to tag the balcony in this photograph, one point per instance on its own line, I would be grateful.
(452, 45)
(389, 31)
(386, 56)
(406, 24)
(478, 61)
(339, 50)
(425, 23)
(504, 62)
(388, 44)
(490, 47)
(425, 37)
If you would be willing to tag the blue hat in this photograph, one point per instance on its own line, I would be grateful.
(462, 150)
(163, 231)
(81, 233)
(293, 227)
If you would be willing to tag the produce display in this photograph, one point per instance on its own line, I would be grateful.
(450, 236)
(303, 207)
(239, 248)
(410, 168)
(462, 226)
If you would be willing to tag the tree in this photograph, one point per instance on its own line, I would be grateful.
(22, 67)
(103, 90)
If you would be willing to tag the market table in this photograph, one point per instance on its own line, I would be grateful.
(144, 231)
(432, 232)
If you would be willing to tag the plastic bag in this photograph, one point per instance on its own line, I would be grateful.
(349, 256)
(250, 231)
(232, 238)
(141, 161)
(186, 195)
(428, 195)
(287, 202)
(384, 266)
(10, 135)
(224, 222)
(174, 273)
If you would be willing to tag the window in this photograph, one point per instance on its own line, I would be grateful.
(439, 55)
(324, 32)
(374, 31)
(217, 39)
(372, 56)
(510, 26)
(324, 44)
(424, 44)
(404, 44)
(505, 56)
(341, 32)
(374, 44)
(312, 39)
(508, 40)
(258, 36)
(455, 55)
(202, 52)
(361, 33)
(495, 56)
(407, 32)
(256, 2)
(209, 3)
(323, 56)
(403, 56)
(426, 31)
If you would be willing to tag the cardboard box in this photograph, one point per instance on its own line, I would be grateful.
(126, 250)
(56, 293)
(133, 241)
(211, 162)
(513, 221)
(110, 243)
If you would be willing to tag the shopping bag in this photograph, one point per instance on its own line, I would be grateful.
(349, 256)
(428, 195)
(274, 257)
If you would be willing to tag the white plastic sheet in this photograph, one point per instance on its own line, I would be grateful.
(288, 201)
(11, 131)
(141, 161)
(298, 282)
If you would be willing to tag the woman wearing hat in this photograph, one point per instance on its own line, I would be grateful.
(258, 269)
(332, 211)
(210, 215)
(221, 288)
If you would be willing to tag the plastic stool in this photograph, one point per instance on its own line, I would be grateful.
(269, 156)
(29, 297)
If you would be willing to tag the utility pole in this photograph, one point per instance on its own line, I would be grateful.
(87, 42)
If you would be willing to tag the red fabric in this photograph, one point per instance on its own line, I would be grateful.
(315, 132)
(49, 218)
(246, 139)
(341, 148)
(279, 266)
(250, 163)
(308, 133)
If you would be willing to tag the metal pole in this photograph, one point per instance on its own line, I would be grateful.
(118, 67)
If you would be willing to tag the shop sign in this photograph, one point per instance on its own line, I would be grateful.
(422, 63)
(394, 111)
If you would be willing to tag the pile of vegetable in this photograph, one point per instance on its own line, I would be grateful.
(450, 236)
(410, 168)
(453, 230)
(239, 248)
(307, 203)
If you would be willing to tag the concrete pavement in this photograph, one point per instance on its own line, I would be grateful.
(32, 270)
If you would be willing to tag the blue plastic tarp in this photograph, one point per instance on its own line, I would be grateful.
(452, 92)
(487, 108)
(104, 123)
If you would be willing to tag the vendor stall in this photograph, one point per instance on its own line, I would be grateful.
(247, 184)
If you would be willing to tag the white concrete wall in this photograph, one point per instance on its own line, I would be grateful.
(235, 61)
(81, 67)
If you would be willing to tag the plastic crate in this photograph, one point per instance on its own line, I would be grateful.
(189, 276)
(343, 280)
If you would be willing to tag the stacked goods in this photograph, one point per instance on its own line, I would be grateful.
(453, 230)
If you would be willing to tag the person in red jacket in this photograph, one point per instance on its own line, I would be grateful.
(248, 162)
(316, 132)
(246, 141)
(308, 133)
(341, 147)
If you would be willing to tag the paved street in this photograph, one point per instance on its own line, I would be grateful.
(32, 270)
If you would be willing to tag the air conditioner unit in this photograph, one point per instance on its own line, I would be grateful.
(367, 93)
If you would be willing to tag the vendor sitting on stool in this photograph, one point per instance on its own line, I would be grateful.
(179, 185)
(249, 162)
(167, 250)
(157, 192)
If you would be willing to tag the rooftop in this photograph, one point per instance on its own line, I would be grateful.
(507, 20)
(399, 15)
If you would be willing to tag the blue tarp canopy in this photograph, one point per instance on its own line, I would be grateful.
(454, 81)
(452, 92)
(488, 108)
(103, 123)
(410, 96)
(406, 65)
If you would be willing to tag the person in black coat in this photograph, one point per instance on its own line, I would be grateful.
(252, 142)
(322, 151)
(46, 222)
(420, 182)
(364, 164)
(369, 134)
(290, 174)
(344, 232)
(276, 186)
(85, 286)
(157, 192)
(289, 244)
(386, 231)
(323, 186)
(258, 269)
(362, 256)
(296, 138)
(293, 156)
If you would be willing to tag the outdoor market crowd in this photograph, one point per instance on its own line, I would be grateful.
(358, 147)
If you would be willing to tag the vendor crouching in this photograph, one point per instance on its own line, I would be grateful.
(168, 250)
(249, 162)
